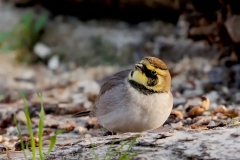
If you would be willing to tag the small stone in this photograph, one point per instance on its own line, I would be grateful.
(194, 92)
(6, 139)
(82, 130)
(54, 63)
(21, 117)
(213, 96)
(88, 87)
(225, 89)
(215, 75)
(42, 50)
(178, 125)
(180, 100)
(211, 124)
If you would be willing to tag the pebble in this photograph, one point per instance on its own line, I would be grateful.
(88, 135)
(213, 96)
(211, 124)
(193, 93)
(178, 125)
(82, 130)
(54, 63)
(42, 50)
(180, 100)
(215, 75)
(21, 117)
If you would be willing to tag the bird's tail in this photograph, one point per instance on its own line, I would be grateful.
(82, 114)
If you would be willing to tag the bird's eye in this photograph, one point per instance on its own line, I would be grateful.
(154, 72)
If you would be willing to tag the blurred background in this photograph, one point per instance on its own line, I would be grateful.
(67, 48)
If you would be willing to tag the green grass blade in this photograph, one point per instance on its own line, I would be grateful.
(125, 155)
(27, 18)
(94, 153)
(132, 142)
(60, 131)
(52, 144)
(20, 136)
(118, 150)
(40, 127)
(40, 24)
(128, 157)
(53, 141)
(4, 36)
(29, 125)
(108, 151)
(131, 145)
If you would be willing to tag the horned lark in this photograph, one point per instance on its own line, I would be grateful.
(135, 100)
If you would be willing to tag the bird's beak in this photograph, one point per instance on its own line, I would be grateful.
(139, 67)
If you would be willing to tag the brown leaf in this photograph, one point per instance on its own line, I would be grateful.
(199, 127)
(176, 114)
(231, 113)
(26, 142)
(220, 109)
(68, 127)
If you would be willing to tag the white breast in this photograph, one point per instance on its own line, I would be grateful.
(124, 109)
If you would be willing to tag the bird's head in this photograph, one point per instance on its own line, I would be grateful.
(151, 73)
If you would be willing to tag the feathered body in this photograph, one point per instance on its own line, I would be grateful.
(135, 100)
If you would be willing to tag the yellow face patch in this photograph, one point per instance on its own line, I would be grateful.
(141, 78)
(152, 68)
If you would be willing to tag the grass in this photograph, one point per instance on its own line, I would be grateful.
(40, 132)
(110, 154)
(124, 154)
(23, 36)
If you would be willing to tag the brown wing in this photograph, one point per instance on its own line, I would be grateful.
(114, 80)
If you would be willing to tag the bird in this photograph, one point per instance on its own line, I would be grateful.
(134, 100)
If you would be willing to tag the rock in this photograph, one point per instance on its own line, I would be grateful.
(215, 75)
(88, 87)
(6, 139)
(81, 130)
(21, 117)
(211, 124)
(42, 50)
(88, 135)
(177, 126)
(54, 63)
(192, 93)
(213, 96)
(233, 24)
